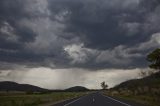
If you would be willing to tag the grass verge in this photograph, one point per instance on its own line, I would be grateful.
(36, 99)
(147, 100)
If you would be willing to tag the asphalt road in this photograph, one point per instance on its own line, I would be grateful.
(96, 99)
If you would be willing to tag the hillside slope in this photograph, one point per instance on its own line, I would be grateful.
(12, 86)
(76, 89)
(147, 84)
(145, 90)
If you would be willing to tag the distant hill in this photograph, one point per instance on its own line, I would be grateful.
(77, 88)
(152, 81)
(145, 90)
(13, 86)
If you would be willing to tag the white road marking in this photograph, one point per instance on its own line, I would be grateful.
(75, 100)
(93, 99)
(117, 100)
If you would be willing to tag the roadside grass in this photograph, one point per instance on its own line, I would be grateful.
(145, 99)
(36, 99)
(145, 90)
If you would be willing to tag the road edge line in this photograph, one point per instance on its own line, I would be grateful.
(116, 100)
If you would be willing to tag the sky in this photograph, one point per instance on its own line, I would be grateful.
(57, 44)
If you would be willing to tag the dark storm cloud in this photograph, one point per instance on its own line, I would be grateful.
(106, 24)
(11, 12)
(13, 36)
(78, 33)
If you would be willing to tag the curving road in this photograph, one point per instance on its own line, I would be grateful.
(96, 99)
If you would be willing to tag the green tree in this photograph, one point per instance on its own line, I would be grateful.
(154, 58)
(104, 85)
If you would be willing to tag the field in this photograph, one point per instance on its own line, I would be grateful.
(145, 91)
(148, 100)
(35, 99)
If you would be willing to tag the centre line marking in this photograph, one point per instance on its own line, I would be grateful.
(75, 100)
(93, 99)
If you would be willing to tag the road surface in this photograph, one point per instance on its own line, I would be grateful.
(96, 99)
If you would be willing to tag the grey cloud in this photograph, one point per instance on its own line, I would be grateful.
(99, 21)
(131, 57)
(43, 32)
(119, 57)
(13, 36)
(65, 78)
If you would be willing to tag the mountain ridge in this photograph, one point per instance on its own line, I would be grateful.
(151, 81)
(14, 86)
(77, 88)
